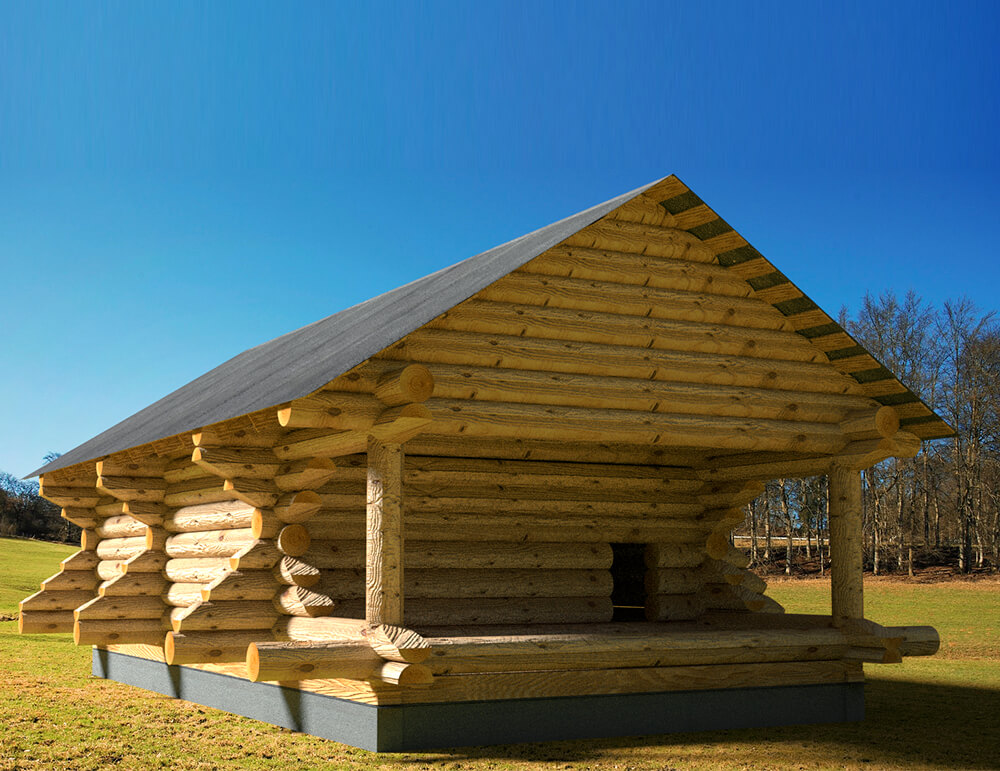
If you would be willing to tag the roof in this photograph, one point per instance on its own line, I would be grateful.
(302, 361)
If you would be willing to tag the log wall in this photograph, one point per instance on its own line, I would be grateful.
(618, 389)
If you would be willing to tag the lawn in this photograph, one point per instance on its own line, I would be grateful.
(937, 713)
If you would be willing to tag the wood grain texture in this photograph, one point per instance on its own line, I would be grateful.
(846, 568)
(384, 534)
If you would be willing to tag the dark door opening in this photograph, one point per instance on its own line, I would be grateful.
(628, 574)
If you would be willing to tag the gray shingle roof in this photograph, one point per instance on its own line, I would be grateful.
(302, 361)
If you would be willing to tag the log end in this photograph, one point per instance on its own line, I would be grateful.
(293, 540)
(406, 675)
(253, 663)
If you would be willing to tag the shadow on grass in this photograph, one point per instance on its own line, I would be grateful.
(908, 724)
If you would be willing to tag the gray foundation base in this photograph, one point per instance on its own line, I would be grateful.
(429, 726)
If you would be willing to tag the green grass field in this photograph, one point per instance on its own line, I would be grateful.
(936, 713)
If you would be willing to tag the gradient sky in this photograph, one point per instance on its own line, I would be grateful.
(181, 181)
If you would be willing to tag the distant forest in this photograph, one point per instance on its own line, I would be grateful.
(940, 508)
(23, 513)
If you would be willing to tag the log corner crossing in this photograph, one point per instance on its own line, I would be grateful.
(495, 504)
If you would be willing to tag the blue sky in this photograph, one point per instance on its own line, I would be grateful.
(181, 181)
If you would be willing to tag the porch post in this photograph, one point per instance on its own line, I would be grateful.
(384, 534)
(846, 566)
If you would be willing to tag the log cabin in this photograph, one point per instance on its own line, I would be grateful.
(495, 504)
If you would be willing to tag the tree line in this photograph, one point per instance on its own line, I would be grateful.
(941, 507)
(25, 514)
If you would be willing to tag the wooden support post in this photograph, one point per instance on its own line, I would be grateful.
(384, 540)
(846, 567)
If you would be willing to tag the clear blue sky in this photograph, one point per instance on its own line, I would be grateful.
(181, 181)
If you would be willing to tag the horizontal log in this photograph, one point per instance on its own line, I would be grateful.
(672, 493)
(674, 607)
(237, 462)
(879, 421)
(770, 605)
(84, 518)
(530, 529)
(194, 491)
(81, 560)
(728, 597)
(523, 685)
(338, 506)
(183, 595)
(573, 424)
(292, 571)
(559, 452)
(637, 394)
(120, 608)
(443, 583)
(673, 581)
(133, 585)
(299, 601)
(70, 580)
(549, 471)
(718, 543)
(121, 548)
(150, 513)
(203, 570)
(246, 585)
(326, 409)
(45, 622)
(240, 432)
(304, 474)
(406, 385)
(210, 647)
(731, 574)
(509, 352)
(632, 237)
(124, 467)
(112, 508)
(222, 515)
(516, 653)
(213, 543)
(917, 640)
(610, 328)
(507, 611)
(395, 424)
(670, 555)
(638, 270)
(108, 570)
(58, 600)
(265, 524)
(70, 497)
(120, 632)
(290, 661)
(737, 557)
(147, 562)
(330, 554)
(132, 488)
(394, 643)
(405, 675)
(298, 506)
(401, 423)
(225, 616)
(256, 555)
(261, 493)
(587, 295)
(120, 526)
